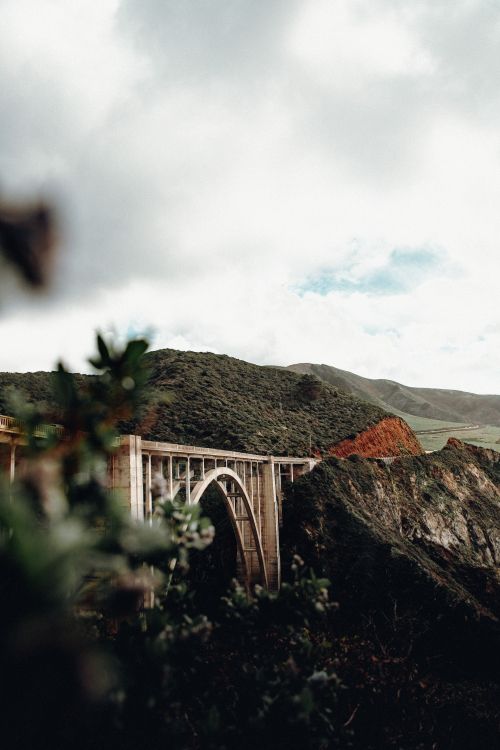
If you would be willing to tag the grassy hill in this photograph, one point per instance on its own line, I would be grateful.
(433, 413)
(218, 401)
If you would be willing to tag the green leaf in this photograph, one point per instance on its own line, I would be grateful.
(103, 350)
(135, 349)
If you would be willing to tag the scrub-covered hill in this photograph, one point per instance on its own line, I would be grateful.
(224, 402)
(34, 387)
(218, 401)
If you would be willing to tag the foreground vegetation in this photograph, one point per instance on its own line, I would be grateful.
(83, 664)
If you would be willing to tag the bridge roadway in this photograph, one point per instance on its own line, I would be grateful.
(250, 485)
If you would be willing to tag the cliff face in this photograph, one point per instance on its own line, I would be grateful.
(390, 437)
(429, 522)
(412, 550)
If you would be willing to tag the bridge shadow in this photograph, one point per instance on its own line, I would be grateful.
(212, 569)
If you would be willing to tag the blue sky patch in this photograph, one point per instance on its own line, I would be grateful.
(404, 270)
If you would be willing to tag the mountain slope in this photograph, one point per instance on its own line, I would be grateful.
(219, 401)
(432, 403)
(224, 402)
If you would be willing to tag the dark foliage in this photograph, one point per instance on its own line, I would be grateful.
(220, 401)
(84, 664)
(27, 241)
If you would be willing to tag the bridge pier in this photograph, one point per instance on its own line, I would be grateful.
(127, 475)
(270, 527)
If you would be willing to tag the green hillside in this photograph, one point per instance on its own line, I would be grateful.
(218, 401)
(34, 387)
(433, 413)
(432, 403)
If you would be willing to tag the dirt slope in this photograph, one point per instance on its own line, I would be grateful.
(389, 437)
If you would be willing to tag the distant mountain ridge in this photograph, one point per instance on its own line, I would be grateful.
(431, 403)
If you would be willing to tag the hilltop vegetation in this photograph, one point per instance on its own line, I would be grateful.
(35, 388)
(219, 401)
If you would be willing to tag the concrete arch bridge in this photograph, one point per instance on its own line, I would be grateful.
(250, 486)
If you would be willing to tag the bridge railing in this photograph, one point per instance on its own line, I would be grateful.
(196, 451)
(11, 424)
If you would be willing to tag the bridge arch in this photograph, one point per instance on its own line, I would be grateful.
(217, 477)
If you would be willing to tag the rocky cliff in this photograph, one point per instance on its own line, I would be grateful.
(436, 516)
(412, 549)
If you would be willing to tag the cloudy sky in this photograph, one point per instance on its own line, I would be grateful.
(278, 180)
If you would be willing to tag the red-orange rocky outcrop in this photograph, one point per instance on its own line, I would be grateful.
(389, 437)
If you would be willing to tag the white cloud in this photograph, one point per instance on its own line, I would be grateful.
(345, 43)
(210, 156)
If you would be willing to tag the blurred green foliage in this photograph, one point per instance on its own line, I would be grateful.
(93, 650)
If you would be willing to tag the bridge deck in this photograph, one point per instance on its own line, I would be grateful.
(194, 451)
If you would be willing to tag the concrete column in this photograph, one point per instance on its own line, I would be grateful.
(170, 477)
(148, 498)
(259, 509)
(188, 482)
(127, 477)
(270, 530)
(12, 468)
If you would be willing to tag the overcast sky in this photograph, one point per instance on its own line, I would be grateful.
(278, 180)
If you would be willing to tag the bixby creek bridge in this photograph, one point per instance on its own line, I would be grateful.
(250, 485)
